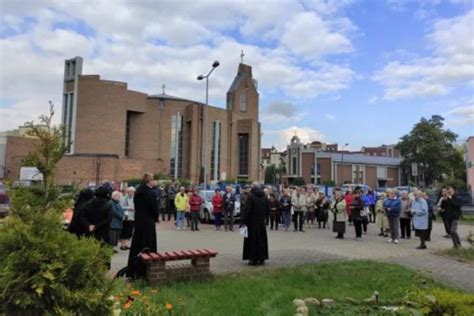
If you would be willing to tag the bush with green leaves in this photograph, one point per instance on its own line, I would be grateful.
(43, 268)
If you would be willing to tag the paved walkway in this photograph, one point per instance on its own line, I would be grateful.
(319, 245)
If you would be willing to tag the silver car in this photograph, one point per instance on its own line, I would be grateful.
(207, 215)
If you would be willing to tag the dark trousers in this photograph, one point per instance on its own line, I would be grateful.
(358, 227)
(422, 234)
(298, 219)
(430, 227)
(447, 227)
(274, 219)
(365, 222)
(217, 219)
(194, 220)
(229, 219)
(453, 228)
(171, 209)
(372, 213)
(163, 212)
(405, 227)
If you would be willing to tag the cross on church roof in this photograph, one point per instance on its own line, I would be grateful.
(242, 56)
(163, 87)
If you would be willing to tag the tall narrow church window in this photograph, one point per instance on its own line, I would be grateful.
(294, 165)
(216, 150)
(176, 161)
(127, 134)
(243, 154)
(69, 121)
(243, 101)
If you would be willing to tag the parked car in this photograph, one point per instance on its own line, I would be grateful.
(352, 186)
(3, 194)
(207, 215)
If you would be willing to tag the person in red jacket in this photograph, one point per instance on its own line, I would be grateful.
(348, 199)
(195, 206)
(217, 207)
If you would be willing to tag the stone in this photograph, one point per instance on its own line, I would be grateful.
(370, 300)
(327, 301)
(431, 299)
(298, 302)
(302, 310)
(312, 301)
(298, 314)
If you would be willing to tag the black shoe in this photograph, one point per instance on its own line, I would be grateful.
(421, 247)
(447, 236)
(302, 230)
(261, 262)
(381, 234)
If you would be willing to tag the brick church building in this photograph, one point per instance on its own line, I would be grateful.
(117, 133)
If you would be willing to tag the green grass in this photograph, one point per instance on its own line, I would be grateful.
(467, 220)
(271, 291)
(465, 254)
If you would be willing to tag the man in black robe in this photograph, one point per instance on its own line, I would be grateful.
(146, 214)
(256, 243)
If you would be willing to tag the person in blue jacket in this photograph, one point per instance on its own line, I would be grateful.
(117, 218)
(392, 207)
(420, 217)
(371, 199)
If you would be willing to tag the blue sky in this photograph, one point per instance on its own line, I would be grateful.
(346, 71)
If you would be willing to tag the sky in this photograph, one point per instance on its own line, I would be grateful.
(346, 71)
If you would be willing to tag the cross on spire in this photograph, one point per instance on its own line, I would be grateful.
(242, 56)
(163, 87)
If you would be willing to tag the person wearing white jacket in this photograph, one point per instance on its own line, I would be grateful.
(298, 202)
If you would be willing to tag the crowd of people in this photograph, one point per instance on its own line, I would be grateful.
(116, 218)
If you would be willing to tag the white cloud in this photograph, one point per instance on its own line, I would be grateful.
(149, 43)
(280, 112)
(450, 66)
(281, 138)
(461, 116)
(307, 35)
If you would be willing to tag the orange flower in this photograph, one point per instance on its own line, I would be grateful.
(127, 305)
(135, 292)
(169, 306)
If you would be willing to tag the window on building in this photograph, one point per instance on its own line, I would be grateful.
(127, 133)
(69, 120)
(216, 151)
(318, 169)
(243, 101)
(176, 149)
(243, 154)
(390, 153)
(293, 167)
(73, 68)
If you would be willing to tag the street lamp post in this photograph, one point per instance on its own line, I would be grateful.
(343, 168)
(215, 64)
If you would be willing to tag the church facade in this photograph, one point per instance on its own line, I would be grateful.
(117, 134)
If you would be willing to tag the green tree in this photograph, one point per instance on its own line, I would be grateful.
(44, 270)
(270, 174)
(432, 148)
(50, 148)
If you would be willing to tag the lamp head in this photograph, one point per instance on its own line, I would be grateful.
(200, 77)
(215, 64)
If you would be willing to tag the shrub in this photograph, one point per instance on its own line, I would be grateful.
(439, 301)
(43, 267)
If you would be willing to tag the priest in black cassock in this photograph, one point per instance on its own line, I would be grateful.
(256, 243)
(146, 214)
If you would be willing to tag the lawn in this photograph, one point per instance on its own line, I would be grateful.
(467, 219)
(465, 254)
(271, 291)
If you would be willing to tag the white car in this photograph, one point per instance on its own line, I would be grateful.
(207, 215)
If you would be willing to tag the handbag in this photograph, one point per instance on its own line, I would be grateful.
(244, 232)
(364, 212)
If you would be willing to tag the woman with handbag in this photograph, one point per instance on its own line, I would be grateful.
(339, 210)
(323, 205)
